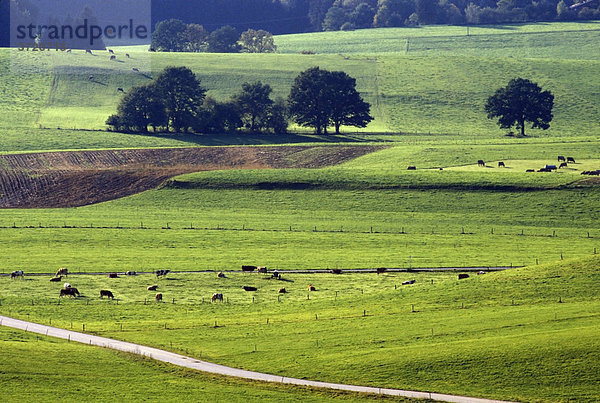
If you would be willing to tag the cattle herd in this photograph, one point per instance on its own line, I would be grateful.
(70, 291)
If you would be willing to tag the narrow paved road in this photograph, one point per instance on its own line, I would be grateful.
(204, 366)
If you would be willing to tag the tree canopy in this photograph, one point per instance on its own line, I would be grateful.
(521, 101)
(320, 98)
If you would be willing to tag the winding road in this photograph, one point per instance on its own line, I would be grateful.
(189, 362)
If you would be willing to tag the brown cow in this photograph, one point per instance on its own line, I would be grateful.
(158, 297)
(282, 290)
(106, 293)
(221, 274)
(311, 288)
(62, 272)
(216, 297)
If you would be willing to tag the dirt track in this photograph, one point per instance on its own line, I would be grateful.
(77, 178)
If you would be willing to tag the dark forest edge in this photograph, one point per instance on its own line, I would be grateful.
(298, 16)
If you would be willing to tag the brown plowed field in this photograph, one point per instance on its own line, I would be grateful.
(69, 179)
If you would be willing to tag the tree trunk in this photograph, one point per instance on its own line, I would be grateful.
(337, 127)
(523, 127)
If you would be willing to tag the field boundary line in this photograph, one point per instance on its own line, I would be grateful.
(204, 366)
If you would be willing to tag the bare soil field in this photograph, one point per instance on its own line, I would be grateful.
(70, 179)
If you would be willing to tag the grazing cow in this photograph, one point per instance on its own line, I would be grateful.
(336, 271)
(71, 292)
(249, 288)
(381, 270)
(130, 273)
(56, 279)
(67, 285)
(68, 50)
(480, 272)
(16, 273)
(501, 164)
(550, 167)
(544, 170)
(248, 268)
(152, 287)
(107, 294)
(62, 272)
(562, 165)
(113, 275)
(530, 170)
(282, 290)
(221, 274)
(162, 272)
(561, 158)
(462, 276)
(120, 89)
(127, 55)
(596, 172)
(411, 168)
(135, 69)
(481, 163)
(409, 282)
(91, 78)
(110, 51)
(88, 51)
(113, 57)
(571, 159)
(275, 274)
(158, 297)
(262, 269)
(216, 297)
(311, 288)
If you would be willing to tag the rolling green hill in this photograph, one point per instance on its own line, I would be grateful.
(439, 86)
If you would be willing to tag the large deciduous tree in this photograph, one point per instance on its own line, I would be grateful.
(521, 101)
(182, 95)
(260, 41)
(320, 98)
(167, 35)
(254, 103)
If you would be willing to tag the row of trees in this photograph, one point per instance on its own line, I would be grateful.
(350, 14)
(176, 36)
(176, 101)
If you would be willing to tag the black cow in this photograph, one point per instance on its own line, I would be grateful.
(107, 294)
(462, 276)
(411, 168)
(249, 288)
(571, 159)
(217, 297)
(563, 165)
(409, 282)
(501, 164)
(16, 273)
(481, 163)
(162, 272)
(113, 275)
(71, 292)
(561, 158)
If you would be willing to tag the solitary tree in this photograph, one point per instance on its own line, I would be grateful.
(320, 98)
(519, 102)
(182, 95)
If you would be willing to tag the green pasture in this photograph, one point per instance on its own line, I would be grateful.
(439, 86)
(525, 334)
(72, 370)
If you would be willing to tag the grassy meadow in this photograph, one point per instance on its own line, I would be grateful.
(525, 334)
